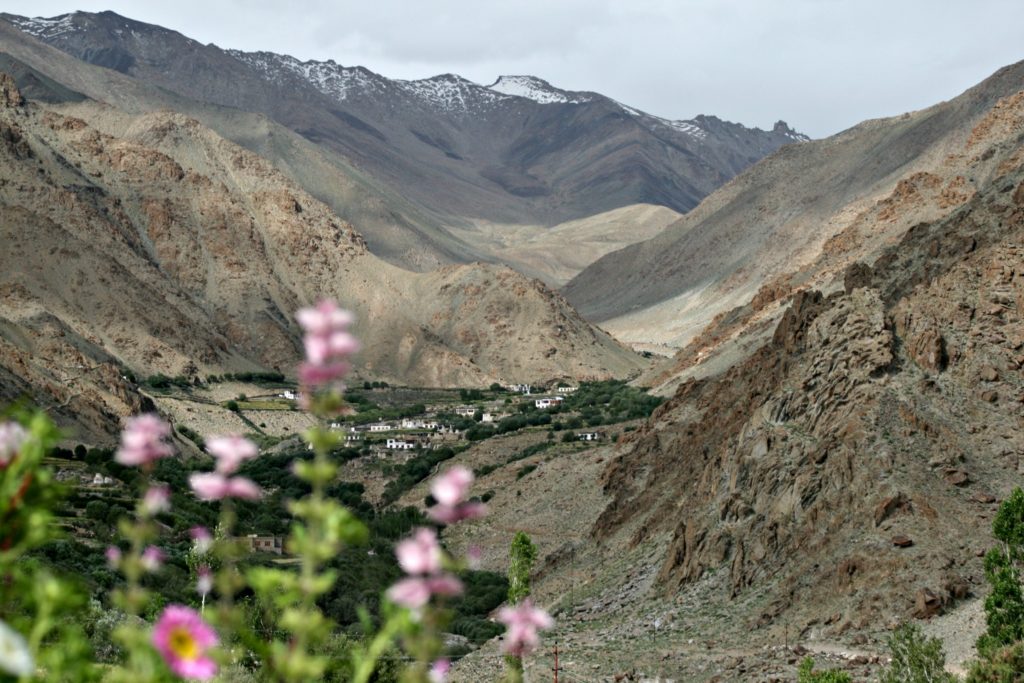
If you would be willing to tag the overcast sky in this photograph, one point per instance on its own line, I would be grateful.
(822, 65)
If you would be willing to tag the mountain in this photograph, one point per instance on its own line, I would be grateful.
(149, 243)
(516, 152)
(781, 213)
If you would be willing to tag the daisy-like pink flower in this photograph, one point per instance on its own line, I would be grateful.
(156, 499)
(231, 451)
(183, 639)
(12, 436)
(152, 558)
(215, 486)
(420, 554)
(522, 621)
(143, 441)
(450, 490)
(202, 539)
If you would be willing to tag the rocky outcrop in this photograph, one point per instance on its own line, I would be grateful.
(10, 96)
(848, 465)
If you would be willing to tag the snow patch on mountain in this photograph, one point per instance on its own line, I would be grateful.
(331, 79)
(41, 27)
(536, 89)
(452, 93)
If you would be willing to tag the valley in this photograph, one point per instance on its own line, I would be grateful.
(752, 398)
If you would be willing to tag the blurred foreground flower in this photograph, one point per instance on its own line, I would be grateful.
(328, 345)
(142, 441)
(450, 490)
(15, 657)
(183, 639)
(522, 621)
(12, 435)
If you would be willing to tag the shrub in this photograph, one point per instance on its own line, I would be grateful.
(1004, 665)
(807, 674)
(1004, 606)
(525, 470)
(915, 659)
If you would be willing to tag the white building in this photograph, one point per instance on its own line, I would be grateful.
(589, 436)
(400, 444)
(465, 411)
(548, 402)
(288, 394)
(566, 390)
(519, 388)
(381, 427)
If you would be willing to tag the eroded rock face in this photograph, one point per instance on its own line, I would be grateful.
(10, 96)
(876, 413)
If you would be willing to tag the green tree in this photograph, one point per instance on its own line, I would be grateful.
(1004, 606)
(522, 554)
(916, 659)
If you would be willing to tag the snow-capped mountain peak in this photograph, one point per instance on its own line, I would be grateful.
(536, 89)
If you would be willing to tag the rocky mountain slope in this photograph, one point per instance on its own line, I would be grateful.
(847, 471)
(150, 243)
(781, 215)
(516, 152)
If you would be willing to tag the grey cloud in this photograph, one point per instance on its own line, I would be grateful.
(822, 65)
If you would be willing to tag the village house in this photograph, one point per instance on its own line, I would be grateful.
(566, 390)
(381, 427)
(400, 444)
(548, 402)
(519, 389)
(590, 436)
(465, 411)
(265, 544)
(288, 394)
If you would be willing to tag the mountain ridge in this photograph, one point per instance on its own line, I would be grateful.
(526, 162)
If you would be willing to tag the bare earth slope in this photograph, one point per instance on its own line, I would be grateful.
(166, 248)
(775, 217)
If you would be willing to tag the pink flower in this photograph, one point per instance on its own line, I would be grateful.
(327, 343)
(113, 555)
(156, 499)
(152, 558)
(202, 539)
(420, 554)
(452, 486)
(522, 621)
(182, 638)
(230, 452)
(324, 318)
(450, 490)
(415, 592)
(439, 670)
(204, 580)
(12, 436)
(142, 441)
(444, 584)
(318, 375)
(412, 593)
(215, 486)
(450, 514)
